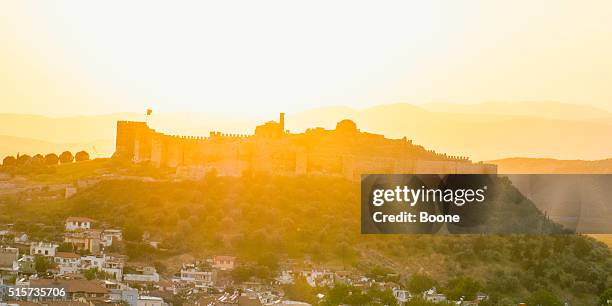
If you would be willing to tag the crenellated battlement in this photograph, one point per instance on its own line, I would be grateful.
(227, 135)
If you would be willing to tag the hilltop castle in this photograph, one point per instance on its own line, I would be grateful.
(345, 151)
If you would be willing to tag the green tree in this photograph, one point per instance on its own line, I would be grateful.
(384, 297)
(356, 297)
(81, 156)
(51, 159)
(37, 160)
(66, 157)
(379, 273)
(606, 297)
(301, 291)
(41, 264)
(345, 252)
(242, 273)
(336, 294)
(94, 273)
(9, 161)
(139, 250)
(419, 283)
(65, 247)
(160, 267)
(23, 159)
(132, 232)
(543, 298)
(464, 286)
(417, 301)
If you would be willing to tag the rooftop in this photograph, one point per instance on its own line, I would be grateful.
(71, 285)
(67, 255)
(79, 219)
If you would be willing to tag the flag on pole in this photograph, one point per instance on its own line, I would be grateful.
(149, 111)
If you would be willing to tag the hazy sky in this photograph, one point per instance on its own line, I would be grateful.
(262, 57)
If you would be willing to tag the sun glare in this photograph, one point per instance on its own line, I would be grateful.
(262, 57)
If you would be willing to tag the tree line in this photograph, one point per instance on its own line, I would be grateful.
(50, 159)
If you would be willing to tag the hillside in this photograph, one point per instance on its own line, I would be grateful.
(268, 219)
(581, 202)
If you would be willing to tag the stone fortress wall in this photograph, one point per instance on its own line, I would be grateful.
(345, 151)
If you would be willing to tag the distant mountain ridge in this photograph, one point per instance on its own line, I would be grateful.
(487, 131)
(479, 136)
(549, 110)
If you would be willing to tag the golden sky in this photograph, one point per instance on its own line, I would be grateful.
(261, 57)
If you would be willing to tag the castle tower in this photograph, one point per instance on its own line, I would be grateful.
(282, 122)
(133, 141)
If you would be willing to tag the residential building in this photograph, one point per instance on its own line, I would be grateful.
(43, 248)
(285, 278)
(67, 263)
(8, 257)
(21, 238)
(120, 292)
(224, 262)
(111, 235)
(13, 236)
(150, 301)
(201, 279)
(114, 267)
(297, 303)
(145, 274)
(433, 296)
(65, 258)
(316, 278)
(401, 296)
(26, 264)
(86, 240)
(75, 289)
(93, 261)
(78, 223)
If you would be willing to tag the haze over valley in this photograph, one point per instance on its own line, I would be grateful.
(486, 131)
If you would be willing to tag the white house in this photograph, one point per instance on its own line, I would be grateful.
(21, 238)
(145, 275)
(114, 267)
(297, 303)
(285, 278)
(201, 279)
(78, 223)
(141, 278)
(150, 301)
(316, 278)
(224, 262)
(43, 248)
(401, 296)
(67, 259)
(432, 296)
(67, 269)
(93, 261)
(123, 293)
(111, 235)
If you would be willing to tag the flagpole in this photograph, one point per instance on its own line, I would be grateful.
(148, 115)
